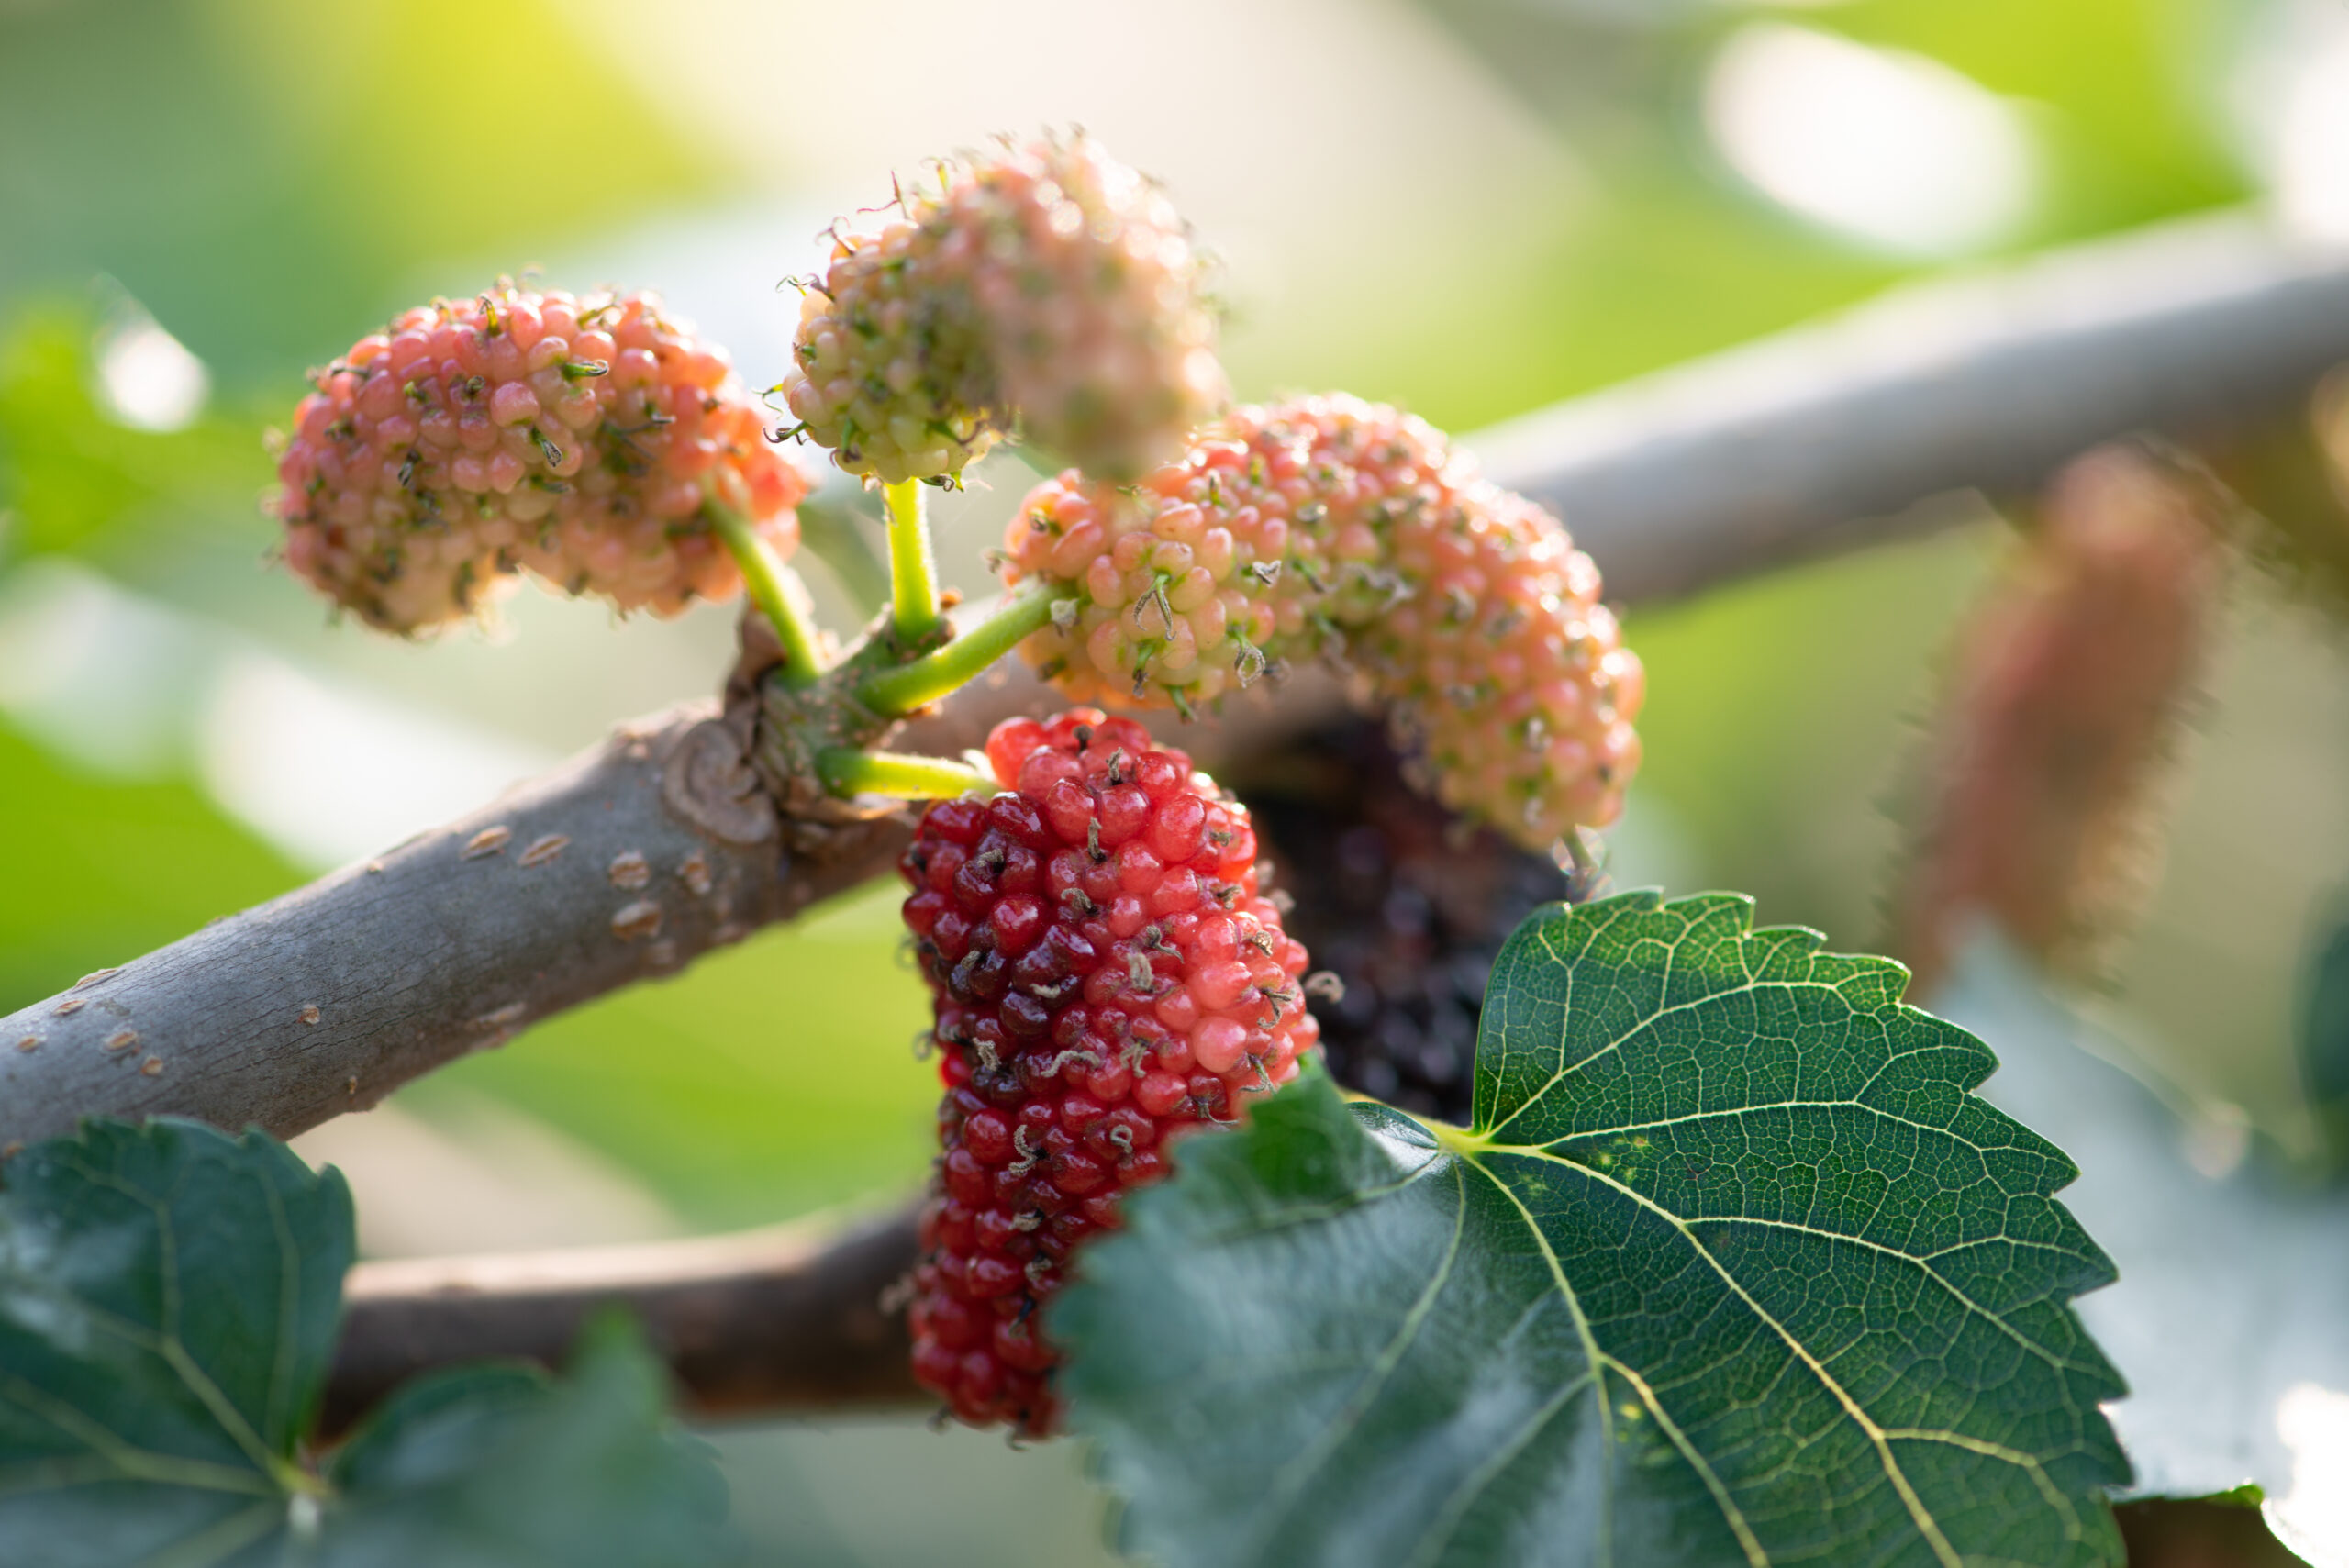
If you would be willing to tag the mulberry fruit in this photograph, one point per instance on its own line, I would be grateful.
(580, 438)
(1108, 976)
(1401, 904)
(1044, 284)
(2043, 791)
(1327, 527)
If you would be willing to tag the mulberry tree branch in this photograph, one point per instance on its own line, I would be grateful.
(622, 864)
(1825, 437)
(783, 1317)
(633, 860)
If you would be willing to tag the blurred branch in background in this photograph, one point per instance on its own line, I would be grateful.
(1806, 443)
(1818, 439)
(780, 1317)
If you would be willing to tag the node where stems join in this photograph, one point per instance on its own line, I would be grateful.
(925, 680)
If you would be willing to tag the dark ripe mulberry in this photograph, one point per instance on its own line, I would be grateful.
(1403, 904)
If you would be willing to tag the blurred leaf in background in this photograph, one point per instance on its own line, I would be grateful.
(2324, 1033)
(100, 870)
(69, 473)
(271, 178)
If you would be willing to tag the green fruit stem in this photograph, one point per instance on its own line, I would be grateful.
(764, 575)
(913, 570)
(925, 680)
(848, 772)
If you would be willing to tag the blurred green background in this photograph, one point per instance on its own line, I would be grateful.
(1470, 206)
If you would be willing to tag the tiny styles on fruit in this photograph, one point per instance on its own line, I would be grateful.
(1606, 1229)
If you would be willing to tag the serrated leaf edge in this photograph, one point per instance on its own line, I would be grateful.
(1466, 1149)
(1415, 1159)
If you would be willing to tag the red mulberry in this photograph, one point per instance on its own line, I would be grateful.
(1106, 977)
(1047, 284)
(578, 437)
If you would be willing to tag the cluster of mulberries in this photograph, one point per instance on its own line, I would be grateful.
(578, 437)
(1333, 527)
(1106, 976)
(1405, 907)
(1044, 284)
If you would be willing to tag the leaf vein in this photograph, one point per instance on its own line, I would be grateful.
(1927, 1525)
(1308, 1461)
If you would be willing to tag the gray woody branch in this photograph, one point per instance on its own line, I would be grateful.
(624, 863)
(635, 859)
(1826, 438)
(785, 1318)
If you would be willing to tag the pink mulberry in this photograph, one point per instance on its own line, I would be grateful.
(578, 437)
(1045, 285)
(1330, 526)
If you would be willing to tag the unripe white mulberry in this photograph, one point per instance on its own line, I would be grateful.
(1044, 285)
(577, 437)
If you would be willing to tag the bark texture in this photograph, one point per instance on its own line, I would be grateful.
(622, 864)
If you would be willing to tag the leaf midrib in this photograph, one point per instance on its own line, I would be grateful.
(1922, 1262)
(1474, 1146)
(1302, 1467)
(164, 1342)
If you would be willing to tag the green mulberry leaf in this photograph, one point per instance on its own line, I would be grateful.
(169, 1302)
(169, 1298)
(1732, 1267)
(487, 1466)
